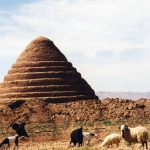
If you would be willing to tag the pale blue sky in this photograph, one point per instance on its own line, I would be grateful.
(12, 4)
(106, 40)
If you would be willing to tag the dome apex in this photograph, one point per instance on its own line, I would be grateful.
(41, 49)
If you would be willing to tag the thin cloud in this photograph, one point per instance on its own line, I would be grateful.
(101, 38)
(135, 55)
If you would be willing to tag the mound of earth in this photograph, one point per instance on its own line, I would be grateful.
(129, 110)
(40, 111)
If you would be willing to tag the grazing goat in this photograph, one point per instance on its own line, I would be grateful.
(10, 140)
(137, 134)
(88, 136)
(77, 137)
(20, 129)
(111, 139)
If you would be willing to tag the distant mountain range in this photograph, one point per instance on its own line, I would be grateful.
(123, 95)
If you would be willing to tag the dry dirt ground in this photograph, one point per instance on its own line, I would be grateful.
(38, 142)
(64, 145)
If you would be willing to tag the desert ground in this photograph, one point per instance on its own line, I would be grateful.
(61, 142)
(64, 145)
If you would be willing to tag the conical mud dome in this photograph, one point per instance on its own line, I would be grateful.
(42, 71)
(41, 49)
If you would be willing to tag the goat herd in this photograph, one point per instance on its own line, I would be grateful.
(137, 134)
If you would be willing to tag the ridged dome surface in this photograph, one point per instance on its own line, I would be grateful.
(42, 71)
(41, 49)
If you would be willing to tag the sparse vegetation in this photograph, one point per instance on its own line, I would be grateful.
(107, 122)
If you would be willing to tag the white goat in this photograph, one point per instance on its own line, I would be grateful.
(111, 139)
(137, 134)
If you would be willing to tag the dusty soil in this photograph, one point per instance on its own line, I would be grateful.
(45, 143)
(63, 145)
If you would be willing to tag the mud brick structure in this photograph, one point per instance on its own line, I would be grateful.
(42, 71)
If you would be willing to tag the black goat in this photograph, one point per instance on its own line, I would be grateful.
(20, 129)
(77, 137)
